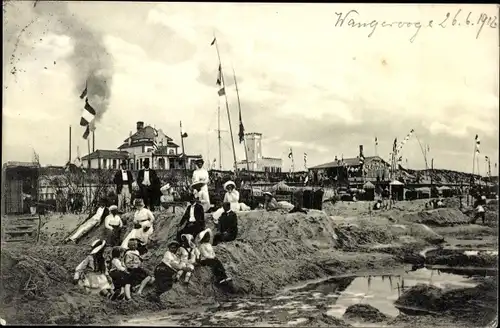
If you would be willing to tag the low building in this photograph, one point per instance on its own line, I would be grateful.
(257, 162)
(146, 142)
(374, 169)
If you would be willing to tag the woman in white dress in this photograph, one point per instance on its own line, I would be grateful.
(232, 197)
(92, 273)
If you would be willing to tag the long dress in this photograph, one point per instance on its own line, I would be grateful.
(89, 278)
(201, 176)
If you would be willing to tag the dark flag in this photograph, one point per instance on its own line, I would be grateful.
(376, 141)
(478, 143)
(86, 133)
(395, 146)
(213, 42)
(84, 92)
(219, 76)
(241, 133)
(221, 92)
(184, 135)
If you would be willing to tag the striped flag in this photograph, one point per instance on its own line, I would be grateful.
(86, 133)
(305, 161)
(478, 143)
(222, 90)
(88, 114)
(290, 154)
(183, 134)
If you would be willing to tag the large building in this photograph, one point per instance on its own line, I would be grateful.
(257, 162)
(147, 142)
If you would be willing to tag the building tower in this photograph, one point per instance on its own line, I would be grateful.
(254, 148)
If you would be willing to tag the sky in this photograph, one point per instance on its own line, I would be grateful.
(305, 82)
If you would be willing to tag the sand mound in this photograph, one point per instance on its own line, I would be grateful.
(351, 236)
(365, 313)
(57, 227)
(476, 304)
(437, 217)
(459, 259)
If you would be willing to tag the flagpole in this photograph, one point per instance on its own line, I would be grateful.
(218, 135)
(184, 155)
(243, 137)
(69, 160)
(227, 105)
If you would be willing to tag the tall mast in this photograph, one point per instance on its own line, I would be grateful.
(227, 106)
(244, 140)
(218, 136)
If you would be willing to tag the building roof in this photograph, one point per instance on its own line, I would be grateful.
(137, 144)
(147, 132)
(12, 164)
(276, 158)
(348, 162)
(107, 154)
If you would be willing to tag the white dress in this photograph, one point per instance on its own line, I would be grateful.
(201, 175)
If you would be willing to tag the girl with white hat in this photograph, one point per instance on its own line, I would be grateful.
(92, 273)
(113, 225)
(270, 203)
(142, 214)
(188, 254)
(200, 175)
(142, 235)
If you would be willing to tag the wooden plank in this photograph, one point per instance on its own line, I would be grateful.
(17, 232)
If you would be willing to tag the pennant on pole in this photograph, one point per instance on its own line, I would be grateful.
(221, 92)
(290, 154)
(84, 92)
(213, 42)
(88, 114)
(376, 141)
(86, 133)
(219, 76)
(478, 143)
(305, 161)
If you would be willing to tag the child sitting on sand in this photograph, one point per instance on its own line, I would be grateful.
(133, 263)
(120, 275)
(207, 257)
(166, 270)
(188, 255)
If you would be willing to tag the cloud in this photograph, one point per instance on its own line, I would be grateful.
(317, 88)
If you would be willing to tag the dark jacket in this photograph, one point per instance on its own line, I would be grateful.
(228, 223)
(153, 178)
(199, 215)
(118, 181)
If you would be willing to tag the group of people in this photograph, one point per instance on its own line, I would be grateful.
(192, 247)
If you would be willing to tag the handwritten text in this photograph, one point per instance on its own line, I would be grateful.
(480, 21)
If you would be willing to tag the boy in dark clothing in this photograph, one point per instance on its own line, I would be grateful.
(193, 221)
(228, 225)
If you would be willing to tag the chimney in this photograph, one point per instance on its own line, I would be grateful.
(360, 150)
(140, 125)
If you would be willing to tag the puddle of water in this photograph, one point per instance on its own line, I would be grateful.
(333, 295)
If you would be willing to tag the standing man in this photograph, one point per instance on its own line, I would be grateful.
(149, 185)
(200, 175)
(123, 181)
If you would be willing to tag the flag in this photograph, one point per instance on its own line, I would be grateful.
(86, 133)
(361, 159)
(376, 141)
(395, 145)
(241, 133)
(183, 134)
(478, 143)
(84, 92)
(88, 114)
(221, 92)
(219, 76)
(305, 161)
(213, 42)
(290, 154)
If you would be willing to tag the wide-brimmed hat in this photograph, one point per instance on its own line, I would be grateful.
(113, 208)
(123, 163)
(98, 247)
(267, 193)
(146, 224)
(138, 202)
(146, 160)
(197, 184)
(199, 160)
(202, 234)
(229, 183)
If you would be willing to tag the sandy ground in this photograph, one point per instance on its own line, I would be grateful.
(273, 251)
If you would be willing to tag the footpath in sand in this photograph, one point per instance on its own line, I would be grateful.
(272, 251)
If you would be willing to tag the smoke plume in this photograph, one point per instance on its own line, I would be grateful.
(90, 61)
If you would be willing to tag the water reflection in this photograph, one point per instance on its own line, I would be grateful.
(333, 296)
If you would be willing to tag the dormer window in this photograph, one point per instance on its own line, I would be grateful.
(171, 152)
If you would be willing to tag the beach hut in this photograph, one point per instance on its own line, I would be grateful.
(397, 190)
(369, 191)
(423, 192)
(445, 191)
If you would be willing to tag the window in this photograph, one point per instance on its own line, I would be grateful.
(104, 163)
(161, 163)
(114, 163)
(171, 151)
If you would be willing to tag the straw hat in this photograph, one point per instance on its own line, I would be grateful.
(166, 187)
(229, 183)
(97, 248)
(267, 193)
(113, 208)
(195, 185)
(202, 234)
